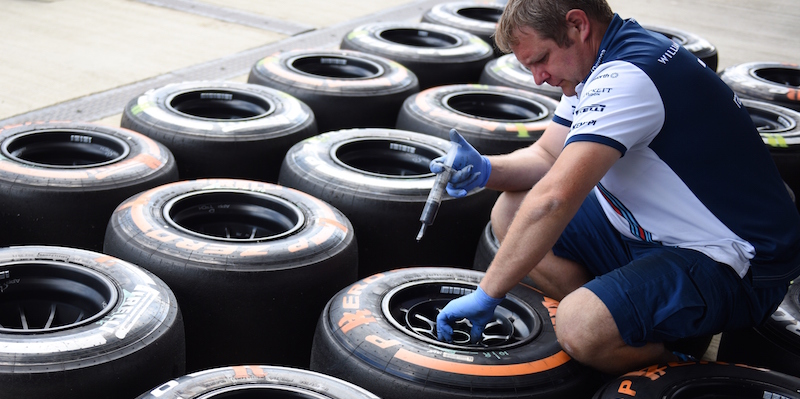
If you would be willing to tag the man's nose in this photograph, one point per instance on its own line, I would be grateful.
(539, 75)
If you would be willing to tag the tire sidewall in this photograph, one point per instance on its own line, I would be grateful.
(279, 379)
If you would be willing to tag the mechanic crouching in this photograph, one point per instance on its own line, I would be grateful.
(650, 207)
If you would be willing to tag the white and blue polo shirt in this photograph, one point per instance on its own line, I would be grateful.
(694, 173)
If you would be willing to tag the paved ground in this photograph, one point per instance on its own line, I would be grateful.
(85, 59)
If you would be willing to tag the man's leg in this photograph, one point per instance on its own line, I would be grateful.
(587, 332)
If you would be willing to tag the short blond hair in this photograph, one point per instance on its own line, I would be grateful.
(546, 17)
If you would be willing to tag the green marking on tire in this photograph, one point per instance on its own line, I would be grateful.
(775, 140)
(522, 131)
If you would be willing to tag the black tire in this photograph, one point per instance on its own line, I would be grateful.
(251, 263)
(476, 17)
(257, 382)
(437, 54)
(774, 82)
(222, 129)
(380, 179)
(700, 47)
(62, 180)
(345, 89)
(487, 249)
(494, 119)
(508, 71)
(380, 334)
(775, 344)
(701, 380)
(780, 130)
(81, 324)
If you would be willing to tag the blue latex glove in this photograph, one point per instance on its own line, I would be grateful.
(478, 307)
(472, 168)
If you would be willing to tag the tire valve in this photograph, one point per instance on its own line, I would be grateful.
(435, 196)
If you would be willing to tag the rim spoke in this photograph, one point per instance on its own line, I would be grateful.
(22, 318)
(52, 316)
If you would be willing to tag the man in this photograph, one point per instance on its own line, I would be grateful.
(650, 207)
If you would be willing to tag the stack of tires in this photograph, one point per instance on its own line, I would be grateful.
(250, 239)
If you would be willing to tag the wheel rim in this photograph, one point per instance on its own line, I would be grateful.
(220, 104)
(66, 148)
(781, 76)
(257, 391)
(498, 107)
(769, 121)
(413, 307)
(420, 38)
(43, 297)
(339, 67)
(234, 216)
(386, 157)
(485, 14)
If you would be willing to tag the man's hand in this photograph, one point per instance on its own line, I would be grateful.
(477, 307)
(472, 168)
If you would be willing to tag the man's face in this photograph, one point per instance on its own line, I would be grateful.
(562, 67)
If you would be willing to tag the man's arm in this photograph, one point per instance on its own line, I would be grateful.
(521, 169)
(546, 211)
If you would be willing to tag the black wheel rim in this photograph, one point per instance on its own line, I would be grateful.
(67, 148)
(220, 104)
(782, 76)
(260, 391)
(44, 297)
(485, 14)
(767, 121)
(496, 106)
(420, 38)
(386, 157)
(235, 216)
(413, 307)
(333, 66)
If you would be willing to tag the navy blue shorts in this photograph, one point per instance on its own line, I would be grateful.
(658, 293)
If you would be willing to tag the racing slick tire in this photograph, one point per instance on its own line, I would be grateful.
(257, 382)
(477, 17)
(60, 181)
(345, 89)
(774, 82)
(251, 263)
(700, 380)
(493, 119)
(437, 54)
(81, 324)
(222, 129)
(380, 334)
(700, 47)
(380, 179)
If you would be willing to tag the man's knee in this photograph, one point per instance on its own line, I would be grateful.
(503, 212)
(584, 326)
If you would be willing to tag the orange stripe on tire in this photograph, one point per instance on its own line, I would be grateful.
(506, 370)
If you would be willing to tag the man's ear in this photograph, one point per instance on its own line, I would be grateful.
(578, 20)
